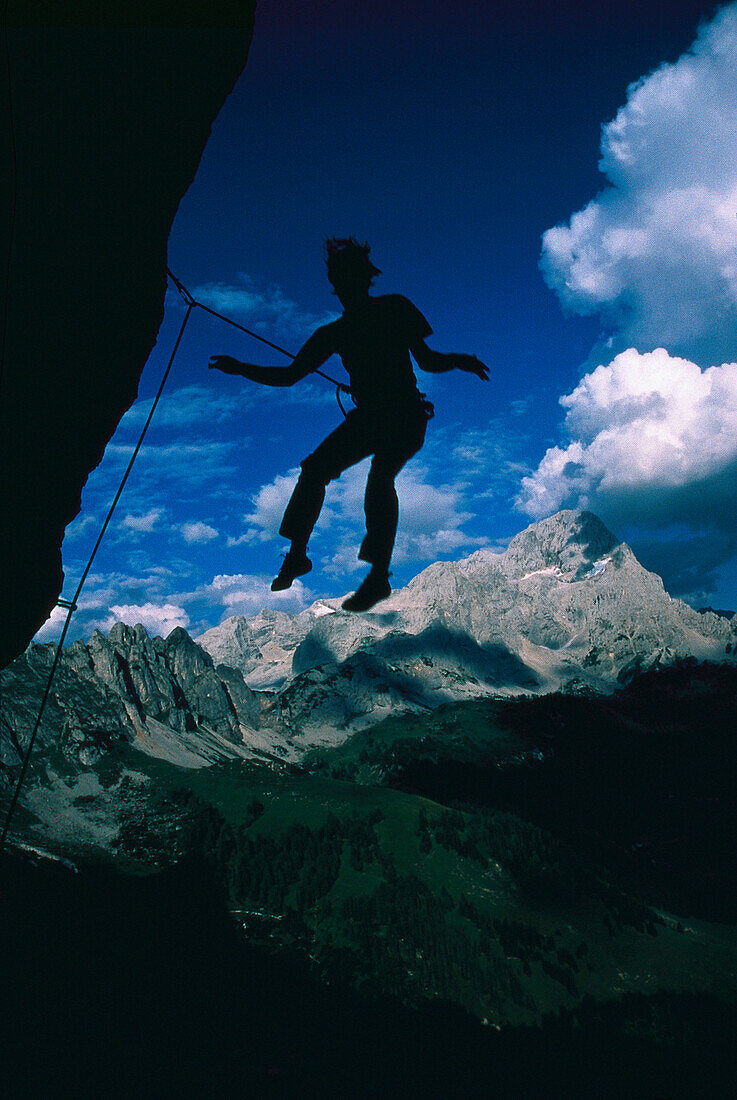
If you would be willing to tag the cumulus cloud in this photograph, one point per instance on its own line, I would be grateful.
(653, 439)
(189, 405)
(432, 517)
(269, 502)
(198, 532)
(143, 597)
(143, 524)
(263, 310)
(655, 254)
(431, 521)
(247, 594)
(51, 629)
(650, 434)
(158, 619)
(81, 526)
(102, 590)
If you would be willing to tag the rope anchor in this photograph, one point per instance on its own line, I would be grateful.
(190, 301)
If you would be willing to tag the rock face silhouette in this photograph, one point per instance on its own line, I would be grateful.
(111, 115)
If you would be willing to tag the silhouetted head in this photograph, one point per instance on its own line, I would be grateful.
(349, 268)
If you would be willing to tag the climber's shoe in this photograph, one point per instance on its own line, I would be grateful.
(374, 587)
(295, 564)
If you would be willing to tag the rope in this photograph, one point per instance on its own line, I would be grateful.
(71, 605)
(340, 387)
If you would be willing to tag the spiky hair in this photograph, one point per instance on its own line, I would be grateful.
(344, 255)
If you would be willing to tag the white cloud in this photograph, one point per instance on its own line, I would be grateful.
(80, 526)
(145, 523)
(431, 519)
(653, 441)
(195, 404)
(198, 532)
(51, 629)
(481, 454)
(247, 594)
(262, 309)
(656, 252)
(156, 618)
(109, 597)
(102, 590)
(193, 462)
(432, 516)
(268, 508)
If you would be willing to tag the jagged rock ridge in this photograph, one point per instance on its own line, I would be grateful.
(164, 696)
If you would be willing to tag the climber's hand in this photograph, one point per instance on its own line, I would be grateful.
(474, 366)
(225, 363)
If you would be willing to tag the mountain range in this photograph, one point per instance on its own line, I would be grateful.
(565, 607)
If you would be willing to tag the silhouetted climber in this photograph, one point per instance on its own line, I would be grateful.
(373, 337)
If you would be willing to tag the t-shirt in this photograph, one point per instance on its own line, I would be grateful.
(373, 341)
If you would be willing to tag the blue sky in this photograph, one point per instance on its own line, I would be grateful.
(556, 190)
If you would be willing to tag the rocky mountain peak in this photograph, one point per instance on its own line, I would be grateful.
(164, 696)
(185, 658)
(570, 542)
(232, 642)
(124, 635)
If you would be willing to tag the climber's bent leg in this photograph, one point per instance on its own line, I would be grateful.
(344, 447)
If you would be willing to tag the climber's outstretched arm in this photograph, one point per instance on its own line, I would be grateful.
(310, 356)
(437, 362)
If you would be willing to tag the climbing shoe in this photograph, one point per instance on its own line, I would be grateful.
(294, 565)
(374, 588)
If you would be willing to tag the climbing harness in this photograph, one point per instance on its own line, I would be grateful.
(71, 605)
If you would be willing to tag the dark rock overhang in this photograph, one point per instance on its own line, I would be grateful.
(112, 107)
